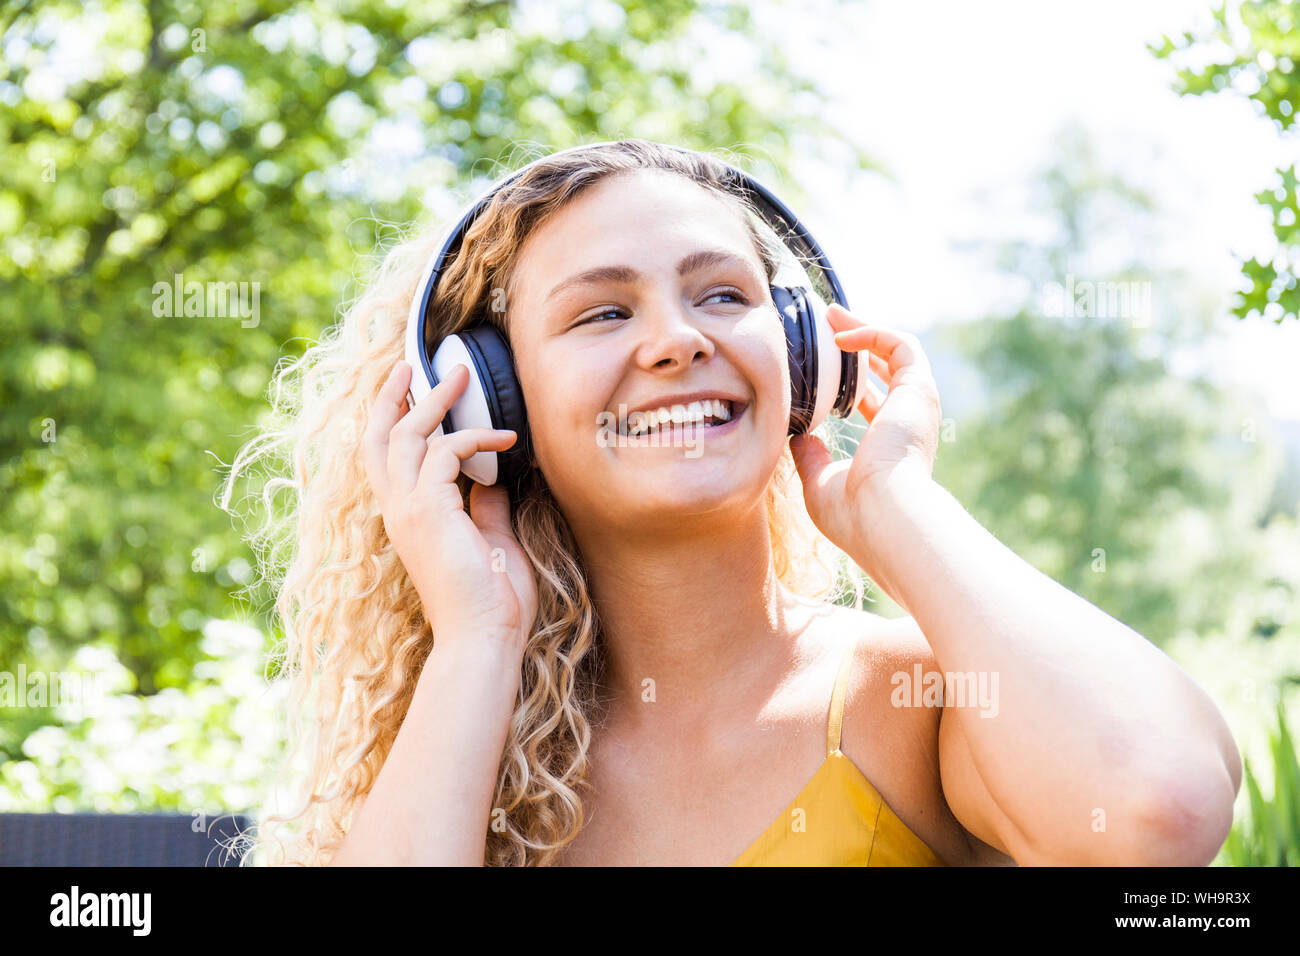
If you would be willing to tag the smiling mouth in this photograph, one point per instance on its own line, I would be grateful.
(711, 415)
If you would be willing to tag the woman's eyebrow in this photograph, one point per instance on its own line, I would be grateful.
(689, 263)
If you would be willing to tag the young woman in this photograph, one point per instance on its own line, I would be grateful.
(639, 661)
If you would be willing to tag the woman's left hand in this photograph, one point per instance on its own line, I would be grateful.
(901, 439)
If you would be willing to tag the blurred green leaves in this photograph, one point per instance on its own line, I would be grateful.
(1132, 485)
(1270, 834)
(205, 748)
(1254, 49)
(1150, 491)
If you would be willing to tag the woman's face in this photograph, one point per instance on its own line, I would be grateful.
(646, 292)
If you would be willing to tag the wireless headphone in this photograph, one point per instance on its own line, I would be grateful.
(823, 378)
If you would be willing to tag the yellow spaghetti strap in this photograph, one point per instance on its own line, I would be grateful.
(837, 701)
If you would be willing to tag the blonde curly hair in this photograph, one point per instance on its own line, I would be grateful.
(355, 635)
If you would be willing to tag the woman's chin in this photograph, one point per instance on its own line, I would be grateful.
(684, 486)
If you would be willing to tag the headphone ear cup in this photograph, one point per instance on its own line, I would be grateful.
(823, 378)
(504, 399)
(492, 399)
(801, 348)
(840, 384)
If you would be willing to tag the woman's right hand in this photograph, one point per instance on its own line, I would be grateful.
(471, 574)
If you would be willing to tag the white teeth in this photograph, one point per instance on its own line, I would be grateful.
(642, 423)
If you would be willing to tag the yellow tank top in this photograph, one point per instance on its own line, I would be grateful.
(838, 819)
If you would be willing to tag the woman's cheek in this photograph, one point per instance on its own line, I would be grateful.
(765, 364)
(566, 440)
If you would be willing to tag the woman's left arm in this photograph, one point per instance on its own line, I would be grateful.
(1093, 747)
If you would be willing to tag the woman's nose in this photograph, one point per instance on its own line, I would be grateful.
(670, 336)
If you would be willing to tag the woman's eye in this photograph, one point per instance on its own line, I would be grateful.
(598, 315)
(735, 294)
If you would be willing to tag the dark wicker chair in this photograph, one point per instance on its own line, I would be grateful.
(104, 839)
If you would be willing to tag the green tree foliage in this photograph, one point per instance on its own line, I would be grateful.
(1150, 492)
(1131, 485)
(1270, 835)
(1255, 46)
(253, 142)
(202, 749)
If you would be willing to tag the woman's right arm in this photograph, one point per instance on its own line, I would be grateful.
(431, 802)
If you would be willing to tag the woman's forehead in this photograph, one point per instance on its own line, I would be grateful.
(650, 217)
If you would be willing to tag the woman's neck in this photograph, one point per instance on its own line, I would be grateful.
(691, 623)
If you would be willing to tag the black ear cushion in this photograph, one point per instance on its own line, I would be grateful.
(505, 399)
(801, 346)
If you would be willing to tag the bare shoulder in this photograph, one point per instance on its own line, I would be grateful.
(892, 735)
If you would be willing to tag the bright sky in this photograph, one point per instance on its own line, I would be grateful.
(956, 98)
